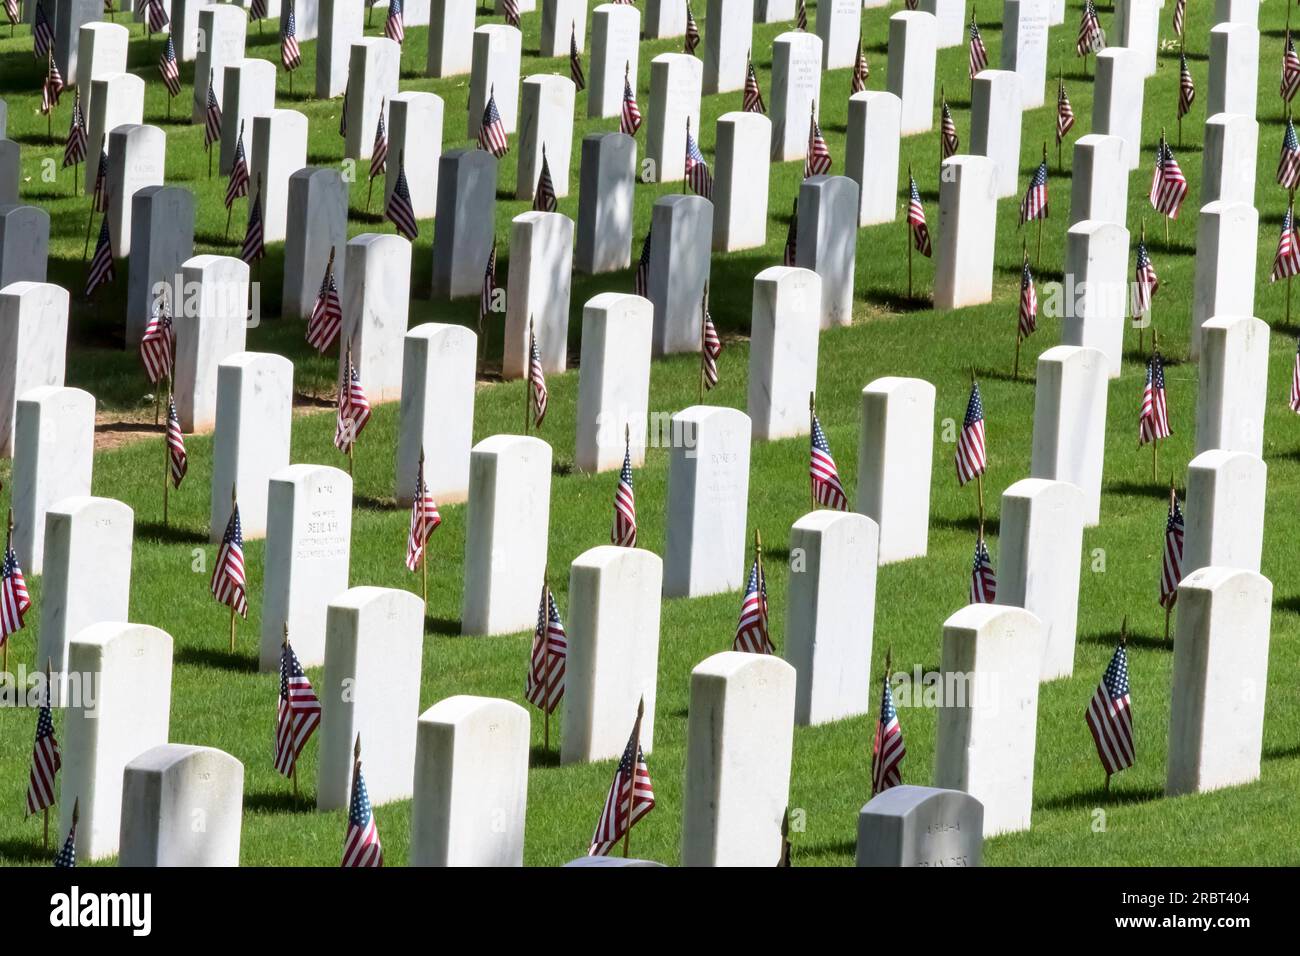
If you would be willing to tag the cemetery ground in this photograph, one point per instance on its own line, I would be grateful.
(222, 701)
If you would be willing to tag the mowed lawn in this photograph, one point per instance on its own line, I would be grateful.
(220, 700)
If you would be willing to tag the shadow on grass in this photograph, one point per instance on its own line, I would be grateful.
(1138, 489)
(1150, 642)
(1281, 753)
(219, 657)
(371, 503)
(835, 847)
(444, 626)
(1292, 603)
(542, 757)
(360, 215)
(894, 300)
(169, 533)
(779, 553)
(280, 801)
(969, 523)
(1098, 797)
(27, 851)
(1002, 375)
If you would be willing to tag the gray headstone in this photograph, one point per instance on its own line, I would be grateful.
(921, 826)
(24, 243)
(318, 222)
(679, 267)
(827, 242)
(463, 227)
(162, 237)
(606, 183)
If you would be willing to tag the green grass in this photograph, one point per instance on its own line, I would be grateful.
(222, 702)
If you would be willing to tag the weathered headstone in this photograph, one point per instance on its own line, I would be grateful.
(1225, 266)
(247, 90)
(1117, 101)
(24, 244)
(986, 731)
(1099, 180)
(613, 381)
(1228, 166)
(827, 239)
(181, 806)
(162, 238)
(1070, 422)
(546, 128)
(210, 325)
(784, 327)
(374, 642)
(708, 501)
(33, 345)
(1097, 272)
(740, 742)
(728, 37)
(471, 783)
(136, 157)
(913, 38)
(117, 99)
(451, 37)
(224, 28)
(831, 614)
(995, 127)
(682, 227)
(317, 225)
(54, 446)
(1024, 47)
(374, 65)
(495, 73)
(963, 255)
(740, 181)
(464, 227)
(437, 411)
(505, 533)
(1224, 513)
(613, 651)
(921, 826)
(415, 136)
(871, 154)
(341, 24)
(607, 183)
(675, 84)
(615, 51)
(796, 90)
(1234, 69)
(375, 305)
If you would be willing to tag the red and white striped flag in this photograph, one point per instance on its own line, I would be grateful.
(237, 185)
(751, 629)
(379, 152)
(74, 148)
(158, 344)
(949, 142)
(972, 455)
(169, 69)
(1286, 261)
(1186, 87)
(983, 579)
(1153, 419)
(536, 379)
(1064, 113)
(1168, 184)
(544, 198)
(1290, 70)
(353, 407)
(254, 246)
(1180, 17)
(511, 10)
(488, 292)
(1034, 205)
(361, 846)
(101, 271)
(861, 70)
(544, 683)
(801, 15)
(1145, 280)
(229, 585)
(916, 219)
(42, 33)
(424, 520)
(631, 795)
(623, 533)
(693, 30)
(825, 477)
(12, 12)
(394, 26)
(1110, 715)
(15, 601)
(1294, 403)
(710, 345)
(752, 98)
(297, 714)
(817, 161)
(492, 131)
(979, 56)
(1288, 161)
(327, 314)
(52, 88)
(575, 59)
(290, 53)
(156, 15)
(212, 117)
(887, 746)
(1091, 37)
(177, 458)
(698, 176)
(99, 196)
(399, 208)
(630, 121)
(1028, 322)
(46, 760)
(1171, 566)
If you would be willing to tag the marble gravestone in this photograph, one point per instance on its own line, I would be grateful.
(1224, 511)
(471, 783)
(665, 18)
(740, 181)
(740, 741)
(613, 381)
(1233, 392)
(676, 81)
(54, 444)
(11, 170)
(921, 826)
(1097, 260)
(728, 37)
(986, 736)
(1216, 709)
(374, 66)
(1228, 160)
(963, 255)
(607, 183)
(679, 270)
(546, 129)
(306, 16)
(308, 544)
(162, 238)
(895, 455)
(247, 90)
(1098, 180)
(101, 50)
(1117, 102)
(613, 653)
(451, 37)
(1069, 440)
(340, 25)
(136, 157)
(1236, 11)
(279, 151)
(117, 99)
(317, 227)
(784, 329)
(495, 73)
(33, 346)
(415, 144)
(775, 11)
(131, 665)
(827, 237)
(463, 230)
(68, 18)
(708, 499)
(564, 22)
(505, 534)
(224, 27)
(181, 806)
(831, 614)
(437, 411)
(24, 244)
(374, 642)
(995, 127)
(950, 20)
(1234, 69)
(1224, 283)
(796, 89)
(210, 327)
(615, 53)
(537, 292)
(184, 28)
(913, 39)
(838, 26)
(1024, 47)
(871, 154)
(375, 304)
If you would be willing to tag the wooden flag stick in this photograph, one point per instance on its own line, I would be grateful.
(543, 619)
(631, 777)
(812, 415)
(346, 383)
(1024, 261)
(704, 345)
(1291, 209)
(167, 458)
(528, 377)
(91, 217)
(907, 232)
(1038, 250)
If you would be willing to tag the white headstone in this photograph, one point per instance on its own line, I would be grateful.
(162, 238)
(796, 90)
(950, 17)
(437, 411)
(537, 292)
(740, 742)
(613, 654)
(913, 39)
(181, 806)
(1224, 513)
(1097, 274)
(117, 99)
(1233, 391)
(24, 241)
(505, 534)
(33, 346)
(1024, 46)
(838, 26)
(1117, 102)
(306, 15)
(374, 642)
(279, 151)
(1137, 28)
(1236, 11)
(209, 328)
(963, 255)
(831, 612)
(451, 37)
(986, 735)
(682, 227)
(465, 224)
(740, 181)
(1070, 422)
(607, 183)
(615, 50)
(1226, 248)
(827, 240)
(471, 783)
(415, 137)
(136, 157)
(1234, 69)
(54, 447)
(675, 85)
(101, 50)
(1099, 180)
(318, 225)
(708, 501)
(546, 126)
(1228, 164)
(247, 90)
(374, 65)
(871, 154)
(563, 22)
(784, 329)
(665, 18)
(728, 37)
(613, 381)
(375, 305)
(497, 49)
(995, 127)
(341, 24)
(895, 455)
(224, 28)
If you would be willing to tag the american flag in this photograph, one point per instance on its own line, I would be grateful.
(1286, 263)
(1110, 715)
(167, 66)
(361, 846)
(74, 150)
(1028, 302)
(623, 533)
(212, 127)
(983, 580)
(826, 487)
(492, 131)
(1295, 382)
(861, 71)
(887, 748)
(1180, 17)
(710, 347)
(158, 344)
(1153, 419)
(297, 714)
(1290, 70)
(1288, 161)
(630, 121)
(511, 10)
(801, 16)
(916, 219)
(229, 585)
(379, 153)
(1034, 205)
(101, 270)
(254, 247)
(52, 88)
(99, 198)
(971, 456)
(1145, 280)
(817, 162)
(176, 455)
(46, 760)
(343, 113)
(575, 59)
(257, 10)
(979, 57)
(790, 253)
(12, 11)
(489, 284)
(1168, 184)
(544, 198)
(353, 407)
(424, 519)
(536, 379)
(66, 858)
(1171, 571)
(631, 796)
(752, 100)
(237, 185)
(693, 31)
(394, 29)
(1091, 37)
(751, 628)
(1064, 113)
(641, 280)
(290, 54)
(1186, 87)
(42, 33)
(698, 176)
(544, 683)
(948, 141)
(156, 16)
(327, 314)
(399, 209)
